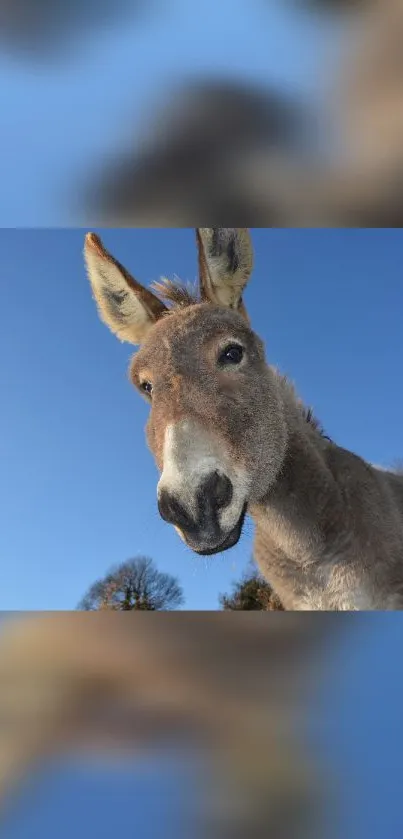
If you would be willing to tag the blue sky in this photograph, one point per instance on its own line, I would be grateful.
(63, 117)
(145, 800)
(77, 483)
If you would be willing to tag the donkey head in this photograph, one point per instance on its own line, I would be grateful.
(216, 425)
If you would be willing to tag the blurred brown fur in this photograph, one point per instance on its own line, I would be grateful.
(232, 687)
(228, 153)
(191, 159)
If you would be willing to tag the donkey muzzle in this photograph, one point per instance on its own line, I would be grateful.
(201, 528)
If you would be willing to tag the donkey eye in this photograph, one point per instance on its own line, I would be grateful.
(231, 355)
(146, 387)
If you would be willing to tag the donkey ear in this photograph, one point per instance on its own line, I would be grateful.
(225, 264)
(129, 309)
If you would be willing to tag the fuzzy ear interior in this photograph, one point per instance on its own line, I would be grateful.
(129, 309)
(225, 264)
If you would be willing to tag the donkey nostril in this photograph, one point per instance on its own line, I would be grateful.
(220, 489)
(172, 512)
(224, 491)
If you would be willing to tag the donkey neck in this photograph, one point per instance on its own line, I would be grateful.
(303, 540)
(304, 505)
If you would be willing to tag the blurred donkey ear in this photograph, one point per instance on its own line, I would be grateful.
(129, 309)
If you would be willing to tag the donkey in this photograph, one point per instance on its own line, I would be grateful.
(230, 437)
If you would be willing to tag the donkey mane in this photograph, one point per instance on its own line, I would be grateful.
(307, 413)
(310, 418)
(176, 294)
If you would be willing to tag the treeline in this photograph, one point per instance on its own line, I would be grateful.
(138, 585)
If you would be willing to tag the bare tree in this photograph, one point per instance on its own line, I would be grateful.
(135, 585)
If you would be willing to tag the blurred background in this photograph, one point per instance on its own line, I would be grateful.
(211, 726)
(264, 112)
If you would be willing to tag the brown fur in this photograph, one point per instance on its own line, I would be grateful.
(329, 526)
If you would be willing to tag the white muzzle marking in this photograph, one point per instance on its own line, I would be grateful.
(190, 455)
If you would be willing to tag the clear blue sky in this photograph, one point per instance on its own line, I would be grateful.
(142, 799)
(77, 483)
(62, 117)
